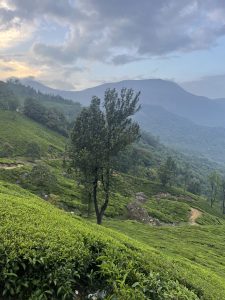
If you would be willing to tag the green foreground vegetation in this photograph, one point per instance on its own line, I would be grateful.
(96, 259)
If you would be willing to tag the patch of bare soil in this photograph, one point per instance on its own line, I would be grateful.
(8, 166)
(195, 214)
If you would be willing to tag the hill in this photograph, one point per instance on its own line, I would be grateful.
(167, 94)
(189, 123)
(182, 134)
(48, 254)
(69, 108)
(18, 131)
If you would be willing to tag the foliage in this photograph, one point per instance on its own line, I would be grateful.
(53, 255)
(50, 117)
(98, 136)
(8, 101)
(167, 172)
(168, 211)
(19, 131)
(7, 150)
(42, 177)
(214, 181)
(33, 151)
(69, 108)
(197, 248)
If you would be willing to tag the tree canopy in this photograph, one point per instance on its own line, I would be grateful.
(99, 134)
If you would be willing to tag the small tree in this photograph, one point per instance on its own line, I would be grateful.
(99, 135)
(214, 183)
(167, 172)
(42, 178)
(194, 186)
(223, 194)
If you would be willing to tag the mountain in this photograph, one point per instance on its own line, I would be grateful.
(183, 134)
(187, 122)
(167, 94)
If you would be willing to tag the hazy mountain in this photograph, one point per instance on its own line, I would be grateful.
(167, 94)
(182, 134)
(187, 122)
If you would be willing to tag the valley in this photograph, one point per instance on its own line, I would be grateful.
(158, 240)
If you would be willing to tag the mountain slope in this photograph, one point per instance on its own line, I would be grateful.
(70, 108)
(18, 131)
(167, 94)
(176, 116)
(182, 134)
(51, 255)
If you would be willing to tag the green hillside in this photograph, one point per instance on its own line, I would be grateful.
(17, 131)
(70, 108)
(158, 241)
(93, 259)
(168, 205)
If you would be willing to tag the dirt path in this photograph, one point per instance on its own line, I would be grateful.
(8, 166)
(195, 214)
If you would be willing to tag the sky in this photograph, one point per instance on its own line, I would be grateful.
(75, 44)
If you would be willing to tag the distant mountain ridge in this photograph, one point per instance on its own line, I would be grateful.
(182, 134)
(167, 94)
(189, 123)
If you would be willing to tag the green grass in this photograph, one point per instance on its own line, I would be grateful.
(47, 254)
(18, 131)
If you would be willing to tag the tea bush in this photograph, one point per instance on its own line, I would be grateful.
(47, 254)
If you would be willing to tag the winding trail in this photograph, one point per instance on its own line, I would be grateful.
(195, 214)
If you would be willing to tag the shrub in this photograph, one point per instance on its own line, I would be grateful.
(47, 254)
(43, 178)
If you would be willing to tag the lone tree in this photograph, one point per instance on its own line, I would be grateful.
(99, 134)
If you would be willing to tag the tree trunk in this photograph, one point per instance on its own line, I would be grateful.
(106, 189)
(89, 204)
(95, 200)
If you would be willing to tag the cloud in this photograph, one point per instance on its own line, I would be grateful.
(10, 37)
(15, 68)
(122, 59)
(149, 28)
(112, 32)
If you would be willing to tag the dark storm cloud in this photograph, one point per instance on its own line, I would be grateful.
(99, 30)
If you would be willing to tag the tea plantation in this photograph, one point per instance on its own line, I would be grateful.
(46, 253)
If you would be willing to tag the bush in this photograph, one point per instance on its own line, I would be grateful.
(43, 178)
(46, 254)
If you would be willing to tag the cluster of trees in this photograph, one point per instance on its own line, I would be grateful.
(68, 107)
(170, 174)
(8, 100)
(100, 133)
(50, 117)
